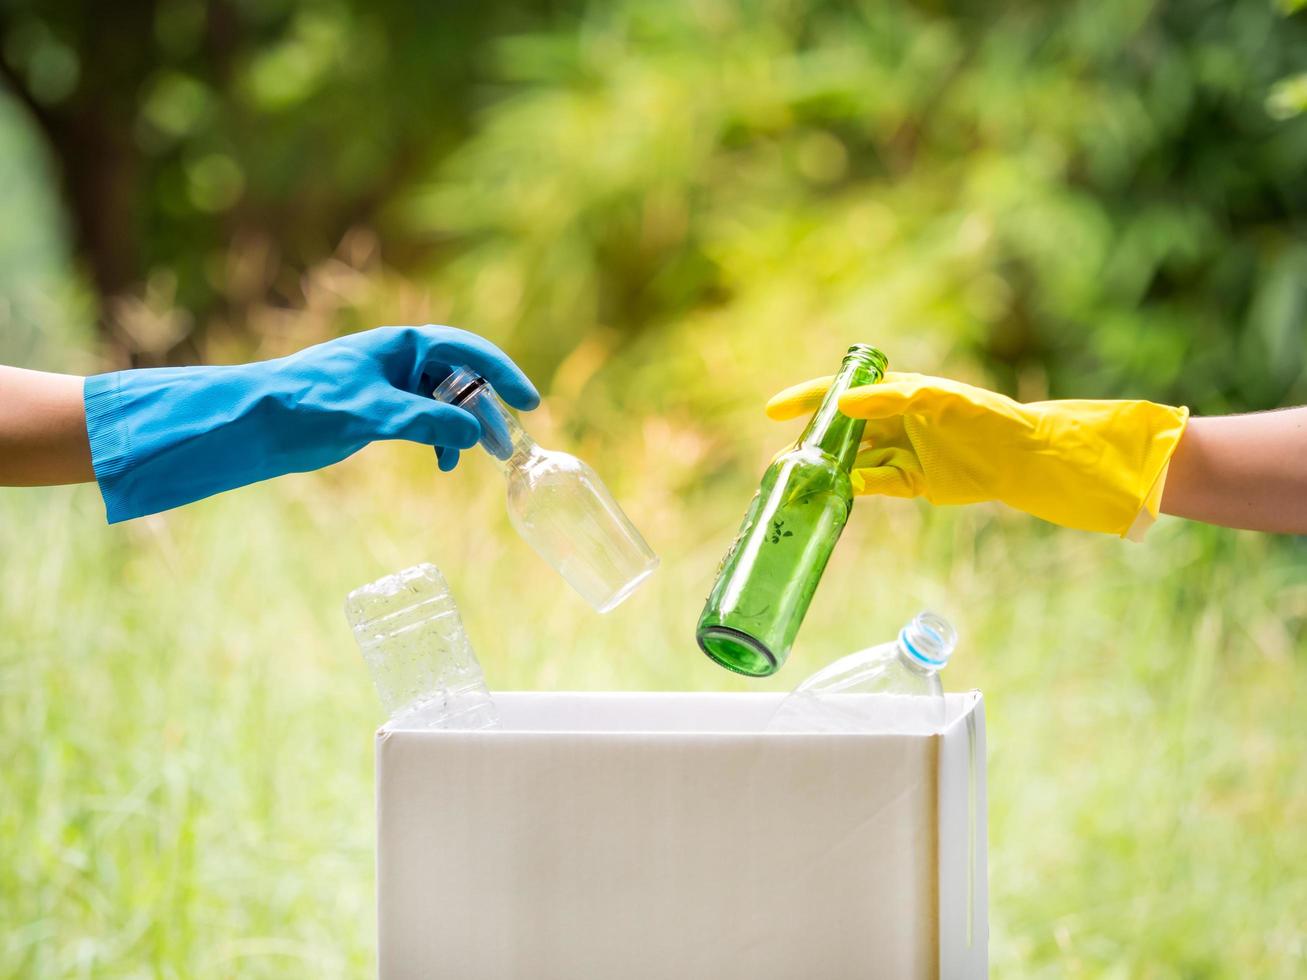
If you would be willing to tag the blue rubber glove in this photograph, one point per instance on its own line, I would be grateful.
(163, 437)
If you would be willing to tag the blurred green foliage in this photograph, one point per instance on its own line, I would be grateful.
(666, 211)
(182, 127)
(38, 299)
(1087, 198)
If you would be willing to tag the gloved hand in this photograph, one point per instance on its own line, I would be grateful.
(1092, 465)
(162, 437)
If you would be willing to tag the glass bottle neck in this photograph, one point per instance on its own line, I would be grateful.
(512, 448)
(830, 430)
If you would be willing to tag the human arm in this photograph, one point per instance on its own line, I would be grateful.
(162, 437)
(1244, 471)
(1091, 464)
(42, 429)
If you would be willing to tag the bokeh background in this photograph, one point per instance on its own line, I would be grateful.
(665, 210)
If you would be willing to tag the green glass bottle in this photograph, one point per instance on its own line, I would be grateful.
(770, 573)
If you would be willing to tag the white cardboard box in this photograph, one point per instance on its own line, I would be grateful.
(632, 836)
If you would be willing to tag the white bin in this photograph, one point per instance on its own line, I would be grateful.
(630, 836)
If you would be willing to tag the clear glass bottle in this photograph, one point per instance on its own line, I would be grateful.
(411, 637)
(903, 676)
(768, 577)
(556, 502)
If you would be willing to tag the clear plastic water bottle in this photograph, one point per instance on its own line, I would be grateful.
(557, 503)
(893, 688)
(411, 637)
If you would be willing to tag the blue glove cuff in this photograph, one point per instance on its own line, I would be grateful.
(163, 437)
(111, 445)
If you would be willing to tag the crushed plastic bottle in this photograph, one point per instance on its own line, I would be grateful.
(893, 688)
(411, 636)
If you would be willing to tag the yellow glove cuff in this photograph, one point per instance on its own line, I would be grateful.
(1152, 505)
(1165, 444)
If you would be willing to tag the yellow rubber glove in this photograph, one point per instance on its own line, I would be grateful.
(1092, 465)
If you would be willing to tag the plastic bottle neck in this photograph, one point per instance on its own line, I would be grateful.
(502, 435)
(512, 449)
(912, 663)
(830, 430)
(926, 643)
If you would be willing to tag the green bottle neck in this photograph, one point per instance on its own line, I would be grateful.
(830, 430)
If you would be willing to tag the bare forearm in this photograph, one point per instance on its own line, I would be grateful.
(1245, 471)
(42, 429)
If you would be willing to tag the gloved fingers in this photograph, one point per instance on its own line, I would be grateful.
(890, 471)
(805, 398)
(904, 394)
(886, 481)
(452, 347)
(797, 400)
(446, 458)
(884, 434)
(425, 420)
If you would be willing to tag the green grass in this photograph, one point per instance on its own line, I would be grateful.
(188, 727)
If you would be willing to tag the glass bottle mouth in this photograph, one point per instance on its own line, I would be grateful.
(738, 651)
(461, 384)
(868, 356)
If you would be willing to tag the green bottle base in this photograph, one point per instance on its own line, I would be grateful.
(737, 651)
